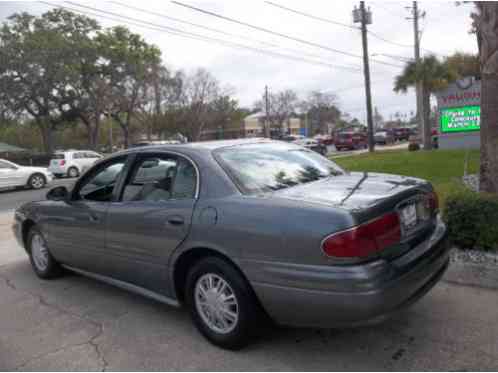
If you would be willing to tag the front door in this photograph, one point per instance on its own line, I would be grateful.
(10, 175)
(77, 227)
(151, 218)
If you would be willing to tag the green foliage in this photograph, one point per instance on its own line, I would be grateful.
(429, 71)
(413, 147)
(472, 220)
(464, 64)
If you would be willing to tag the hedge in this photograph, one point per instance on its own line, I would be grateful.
(472, 220)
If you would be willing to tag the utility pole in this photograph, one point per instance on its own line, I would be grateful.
(267, 113)
(365, 17)
(419, 88)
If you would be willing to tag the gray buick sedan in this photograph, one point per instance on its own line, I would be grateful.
(241, 232)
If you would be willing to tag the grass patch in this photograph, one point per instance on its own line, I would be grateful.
(443, 168)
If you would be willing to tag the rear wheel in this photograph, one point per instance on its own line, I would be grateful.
(73, 172)
(44, 265)
(222, 304)
(37, 181)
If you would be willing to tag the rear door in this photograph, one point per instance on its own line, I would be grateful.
(151, 218)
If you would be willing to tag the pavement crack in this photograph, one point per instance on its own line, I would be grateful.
(8, 282)
(91, 341)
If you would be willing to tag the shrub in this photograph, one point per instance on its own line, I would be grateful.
(413, 146)
(472, 220)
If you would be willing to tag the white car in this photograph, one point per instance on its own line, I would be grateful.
(72, 163)
(13, 175)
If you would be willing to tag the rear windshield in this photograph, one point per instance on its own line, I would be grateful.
(260, 168)
(58, 156)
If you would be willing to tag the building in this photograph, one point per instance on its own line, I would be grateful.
(254, 126)
(459, 115)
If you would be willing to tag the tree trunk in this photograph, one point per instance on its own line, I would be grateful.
(47, 135)
(487, 39)
(489, 134)
(426, 97)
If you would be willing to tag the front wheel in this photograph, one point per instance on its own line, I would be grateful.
(222, 304)
(37, 181)
(43, 263)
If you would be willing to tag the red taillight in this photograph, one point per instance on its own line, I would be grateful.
(433, 201)
(365, 239)
(62, 163)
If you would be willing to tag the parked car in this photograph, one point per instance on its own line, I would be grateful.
(292, 138)
(312, 145)
(13, 175)
(72, 163)
(350, 141)
(325, 139)
(383, 138)
(401, 134)
(243, 230)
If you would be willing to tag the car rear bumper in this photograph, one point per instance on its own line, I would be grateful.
(338, 296)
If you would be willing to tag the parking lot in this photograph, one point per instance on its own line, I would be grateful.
(76, 323)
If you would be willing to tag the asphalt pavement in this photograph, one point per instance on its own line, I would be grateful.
(75, 323)
(12, 198)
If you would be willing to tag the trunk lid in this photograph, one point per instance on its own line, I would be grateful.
(366, 195)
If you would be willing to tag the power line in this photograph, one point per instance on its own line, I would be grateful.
(262, 29)
(185, 34)
(191, 23)
(312, 16)
(256, 40)
(327, 20)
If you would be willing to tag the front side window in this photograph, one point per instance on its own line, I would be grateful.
(161, 178)
(100, 184)
(260, 168)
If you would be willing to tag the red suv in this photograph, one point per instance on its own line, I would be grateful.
(350, 141)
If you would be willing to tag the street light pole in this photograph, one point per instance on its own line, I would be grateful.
(365, 17)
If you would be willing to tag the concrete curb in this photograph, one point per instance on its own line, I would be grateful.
(473, 268)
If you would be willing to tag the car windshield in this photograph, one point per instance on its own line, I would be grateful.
(58, 156)
(260, 168)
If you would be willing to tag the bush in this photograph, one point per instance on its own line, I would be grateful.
(472, 220)
(413, 147)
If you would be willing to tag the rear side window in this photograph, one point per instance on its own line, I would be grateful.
(161, 178)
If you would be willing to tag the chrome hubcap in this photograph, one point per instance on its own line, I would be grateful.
(39, 252)
(37, 182)
(73, 172)
(216, 303)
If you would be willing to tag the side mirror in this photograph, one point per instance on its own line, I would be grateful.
(59, 193)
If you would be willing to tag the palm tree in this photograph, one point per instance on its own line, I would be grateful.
(433, 76)
(485, 22)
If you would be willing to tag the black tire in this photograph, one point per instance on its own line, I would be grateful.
(250, 315)
(52, 268)
(73, 172)
(37, 181)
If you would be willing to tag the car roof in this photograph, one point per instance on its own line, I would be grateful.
(201, 145)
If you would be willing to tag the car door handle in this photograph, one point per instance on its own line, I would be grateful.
(175, 220)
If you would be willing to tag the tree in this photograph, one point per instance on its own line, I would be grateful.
(281, 106)
(129, 64)
(38, 59)
(321, 110)
(200, 91)
(486, 24)
(434, 75)
(464, 64)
